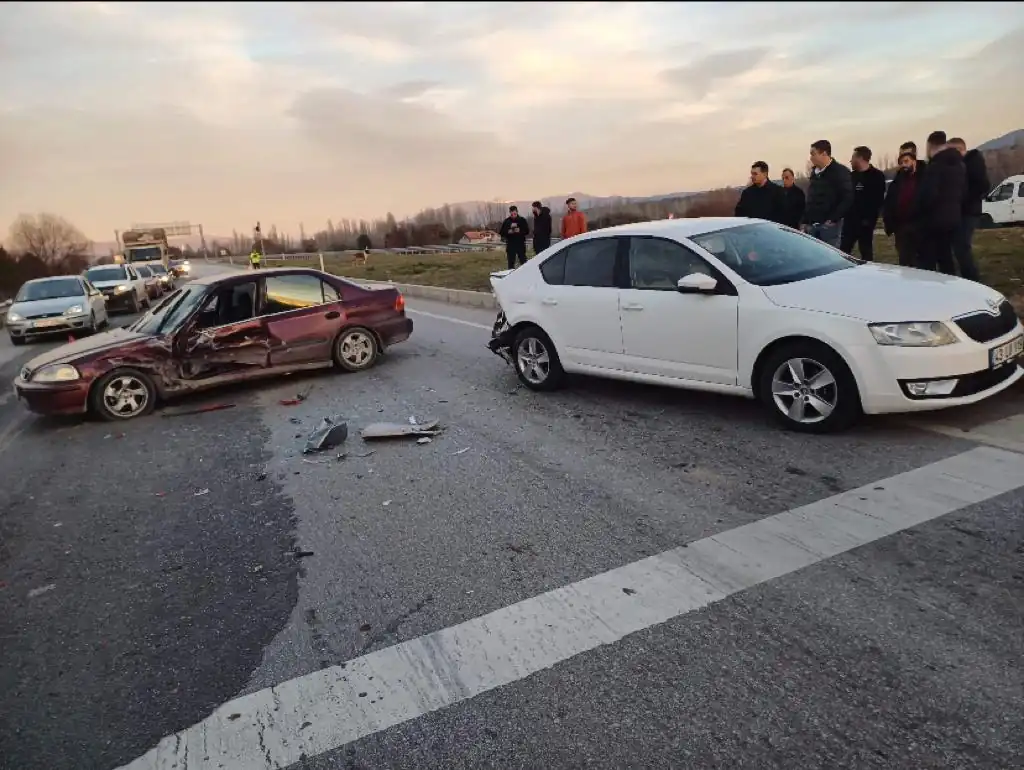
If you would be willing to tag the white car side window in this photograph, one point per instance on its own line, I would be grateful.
(1004, 193)
(658, 264)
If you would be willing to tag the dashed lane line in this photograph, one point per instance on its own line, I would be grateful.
(327, 709)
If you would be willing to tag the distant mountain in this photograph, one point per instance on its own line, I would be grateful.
(1004, 142)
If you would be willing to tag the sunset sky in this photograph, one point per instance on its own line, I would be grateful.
(114, 113)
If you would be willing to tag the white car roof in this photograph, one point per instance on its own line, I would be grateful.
(53, 278)
(676, 228)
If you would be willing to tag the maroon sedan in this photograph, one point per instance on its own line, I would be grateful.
(217, 330)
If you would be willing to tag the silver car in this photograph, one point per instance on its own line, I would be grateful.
(57, 305)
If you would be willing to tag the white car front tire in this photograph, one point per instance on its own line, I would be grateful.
(809, 388)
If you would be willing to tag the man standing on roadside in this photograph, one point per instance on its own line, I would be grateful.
(900, 212)
(793, 200)
(574, 222)
(541, 227)
(977, 188)
(514, 231)
(829, 196)
(761, 199)
(868, 197)
(911, 147)
(942, 190)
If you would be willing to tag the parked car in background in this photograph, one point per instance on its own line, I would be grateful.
(1005, 204)
(121, 284)
(755, 309)
(214, 331)
(59, 304)
(154, 288)
(165, 276)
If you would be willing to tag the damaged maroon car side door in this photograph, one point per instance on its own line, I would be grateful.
(226, 341)
(303, 316)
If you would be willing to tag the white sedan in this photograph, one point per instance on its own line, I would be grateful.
(755, 309)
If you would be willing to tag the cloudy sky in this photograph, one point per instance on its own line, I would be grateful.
(113, 113)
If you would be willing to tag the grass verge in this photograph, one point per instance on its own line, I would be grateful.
(999, 253)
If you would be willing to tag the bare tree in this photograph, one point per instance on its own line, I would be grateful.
(49, 237)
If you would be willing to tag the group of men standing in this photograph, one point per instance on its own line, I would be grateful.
(931, 208)
(515, 229)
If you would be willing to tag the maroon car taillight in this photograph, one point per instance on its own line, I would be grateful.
(400, 303)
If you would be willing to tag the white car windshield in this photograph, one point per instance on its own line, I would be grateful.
(52, 289)
(767, 254)
(113, 273)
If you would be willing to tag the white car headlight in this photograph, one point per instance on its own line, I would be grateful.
(122, 288)
(13, 318)
(73, 310)
(919, 334)
(56, 373)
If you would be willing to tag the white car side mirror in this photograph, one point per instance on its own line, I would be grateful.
(697, 283)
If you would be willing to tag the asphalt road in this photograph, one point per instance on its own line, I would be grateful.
(148, 578)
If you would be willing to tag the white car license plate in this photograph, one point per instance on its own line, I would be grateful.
(1006, 352)
(45, 322)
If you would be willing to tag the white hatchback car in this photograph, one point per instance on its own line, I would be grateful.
(755, 309)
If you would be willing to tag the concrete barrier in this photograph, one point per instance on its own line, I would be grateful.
(481, 299)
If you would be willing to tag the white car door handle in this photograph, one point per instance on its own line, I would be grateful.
(549, 301)
(633, 307)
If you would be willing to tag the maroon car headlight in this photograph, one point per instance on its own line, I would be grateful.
(56, 373)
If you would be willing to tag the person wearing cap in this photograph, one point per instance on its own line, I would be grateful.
(514, 231)
(541, 227)
(574, 222)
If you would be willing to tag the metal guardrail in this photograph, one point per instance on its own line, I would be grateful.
(450, 248)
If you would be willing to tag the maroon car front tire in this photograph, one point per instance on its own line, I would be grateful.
(122, 394)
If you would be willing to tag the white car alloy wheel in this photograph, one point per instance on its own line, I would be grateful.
(533, 360)
(805, 390)
(536, 360)
(356, 350)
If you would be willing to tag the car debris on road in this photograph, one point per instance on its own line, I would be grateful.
(196, 410)
(331, 432)
(384, 430)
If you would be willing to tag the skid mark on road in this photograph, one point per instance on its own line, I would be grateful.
(10, 432)
(319, 712)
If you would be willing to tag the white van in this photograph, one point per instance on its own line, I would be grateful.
(1005, 204)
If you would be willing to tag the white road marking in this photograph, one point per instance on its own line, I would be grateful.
(1007, 433)
(475, 325)
(327, 709)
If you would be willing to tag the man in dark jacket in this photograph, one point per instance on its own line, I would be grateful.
(541, 227)
(793, 200)
(514, 231)
(941, 198)
(977, 188)
(900, 212)
(829, 196)
(868, 197)
(911, 147)
(761, 199)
